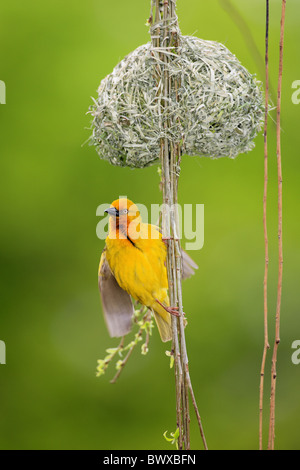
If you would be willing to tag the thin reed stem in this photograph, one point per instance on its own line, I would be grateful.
(246, 33)
(271, 440)
(266, 340)
(164, 32)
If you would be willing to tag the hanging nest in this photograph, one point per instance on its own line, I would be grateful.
(218, 106)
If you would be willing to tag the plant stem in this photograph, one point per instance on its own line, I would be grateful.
(165, 35)
(280, 251)
(266, 340)
(246, 32)
(125, 360)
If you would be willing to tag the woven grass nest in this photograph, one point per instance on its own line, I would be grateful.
(218, 110)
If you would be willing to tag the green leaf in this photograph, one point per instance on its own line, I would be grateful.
(171, 356)
(119, 364)
(167, 438)
(171, 361)
(174, 437)
(111, 350)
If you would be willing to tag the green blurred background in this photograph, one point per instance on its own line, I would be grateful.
(52, 58)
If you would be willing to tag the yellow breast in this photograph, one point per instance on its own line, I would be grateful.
(139, 266)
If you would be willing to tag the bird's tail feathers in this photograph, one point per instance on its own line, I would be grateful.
(164, 323)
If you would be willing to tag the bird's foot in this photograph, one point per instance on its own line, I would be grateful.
(165, 239)
(172, 310)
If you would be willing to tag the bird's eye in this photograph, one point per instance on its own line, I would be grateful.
(125, 211)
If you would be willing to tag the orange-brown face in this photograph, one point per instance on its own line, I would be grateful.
(124, 211)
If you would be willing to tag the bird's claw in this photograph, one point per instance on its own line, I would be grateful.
(171, 310)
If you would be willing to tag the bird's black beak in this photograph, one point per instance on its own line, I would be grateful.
(112, 211)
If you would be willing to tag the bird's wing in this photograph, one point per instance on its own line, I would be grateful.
(117, 304)
(188, 264)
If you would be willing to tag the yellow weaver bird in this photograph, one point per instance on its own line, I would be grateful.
(133, 264)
